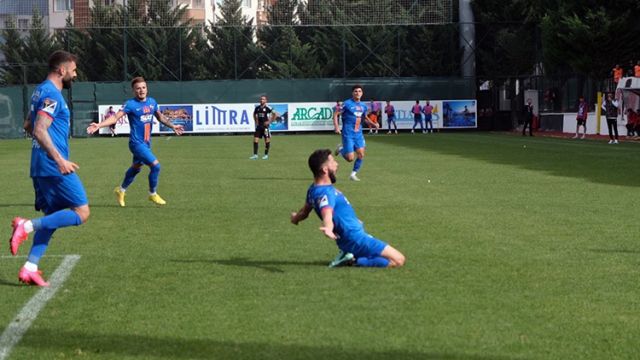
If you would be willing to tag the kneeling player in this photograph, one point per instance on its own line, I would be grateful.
(339, 220)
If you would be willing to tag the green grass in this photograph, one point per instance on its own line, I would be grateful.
(517, 248)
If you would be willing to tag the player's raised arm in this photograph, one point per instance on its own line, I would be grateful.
(302, 214)
(41, 134)
(93, 127)
(177, 129)
(327, 223)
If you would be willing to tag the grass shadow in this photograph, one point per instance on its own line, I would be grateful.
(615, 251)
(57, 341)
(267, 265)
(591, 160)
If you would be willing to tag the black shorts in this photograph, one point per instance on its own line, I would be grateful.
(262, 131)
(581, 122)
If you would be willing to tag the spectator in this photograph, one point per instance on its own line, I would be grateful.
(427, 110)
(636, 69)
(581, 117)
(391, 116)
(528, 117)
(617, 73)
(610, 107)
(416, 110)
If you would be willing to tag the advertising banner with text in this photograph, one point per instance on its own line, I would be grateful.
(315, 116)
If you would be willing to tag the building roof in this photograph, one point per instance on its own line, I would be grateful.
(23, 7)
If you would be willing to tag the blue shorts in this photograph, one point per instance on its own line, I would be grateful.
(362, 246)
(142, 154)
(351, 143)
(427, 117)
(55, 193)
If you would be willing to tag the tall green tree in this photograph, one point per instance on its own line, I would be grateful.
(37, 48)
(232, 54)
(13, 50)
(283, 54)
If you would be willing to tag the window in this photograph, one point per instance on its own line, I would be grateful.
(197, 4)
(246, 3)
(109, 2)
(63, 5)
(23, 24)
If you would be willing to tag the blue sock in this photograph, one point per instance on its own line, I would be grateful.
(153, 177)
(357, 164)
(40, 244)
(372, 262)
(56, 220)
(129, 176)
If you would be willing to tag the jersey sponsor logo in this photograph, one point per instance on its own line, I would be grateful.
(146, 118)
(49, 106)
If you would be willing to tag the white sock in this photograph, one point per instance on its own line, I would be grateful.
(353, 173)
(152, 194)
(28, 226)
(31, 266)
(122, 189)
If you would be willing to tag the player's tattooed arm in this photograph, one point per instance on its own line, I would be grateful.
(41, 134)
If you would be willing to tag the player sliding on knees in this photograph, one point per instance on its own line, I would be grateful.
(339, 221)
(140, 110)
(353, 113)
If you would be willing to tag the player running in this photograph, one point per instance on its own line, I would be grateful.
(262, 116)
(140, 110)
(353, 114)
(60, 194)
(339, 220)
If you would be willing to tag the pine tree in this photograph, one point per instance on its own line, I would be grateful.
(37, 49)
(232, 54)
(13, 49)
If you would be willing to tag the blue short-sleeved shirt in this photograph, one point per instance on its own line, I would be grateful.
(48, 100)
(140, 114)
(353, 114)
(346, 223)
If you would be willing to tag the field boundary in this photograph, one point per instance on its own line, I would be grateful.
(29, 312)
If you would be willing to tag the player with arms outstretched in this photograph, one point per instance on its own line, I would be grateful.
(140, 110)
(353, 145)
(339, 220)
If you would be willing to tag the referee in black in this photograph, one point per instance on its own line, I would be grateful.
(262, 116)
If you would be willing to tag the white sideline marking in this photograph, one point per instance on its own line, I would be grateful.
(21, 323)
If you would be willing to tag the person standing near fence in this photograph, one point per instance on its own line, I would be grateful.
(528, 117)
(391, 116)
(58, 189)
(427, 110)
(610, 108)
(416, 110)
(581, 117)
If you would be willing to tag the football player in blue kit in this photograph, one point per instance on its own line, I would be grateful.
(140, 111)
(59, 191)
(339, 220)
(353, 114)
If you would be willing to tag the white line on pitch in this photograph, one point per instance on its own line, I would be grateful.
(21, 323)
(25, 256)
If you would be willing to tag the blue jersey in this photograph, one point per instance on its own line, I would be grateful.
(352, 116)
(345, 221)
(140, 114)
(47, 100)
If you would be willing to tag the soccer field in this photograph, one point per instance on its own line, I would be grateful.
(516, 247)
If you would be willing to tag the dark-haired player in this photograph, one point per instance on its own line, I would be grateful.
(262, 115)
(339, 220)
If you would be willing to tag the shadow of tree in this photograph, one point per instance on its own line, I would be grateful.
(149, 347)
(586, 159)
